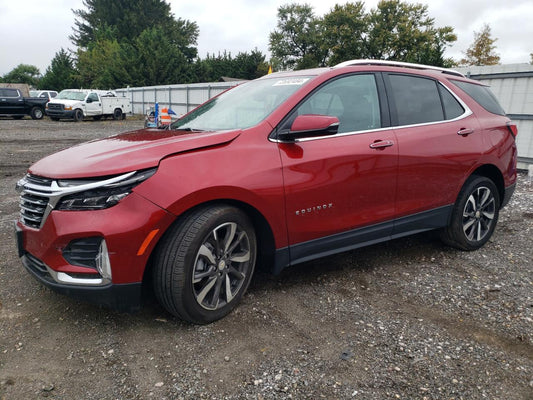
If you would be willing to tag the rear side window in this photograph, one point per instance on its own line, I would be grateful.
(482, 95)
(417, 99)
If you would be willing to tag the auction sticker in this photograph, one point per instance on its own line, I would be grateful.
(291, 82)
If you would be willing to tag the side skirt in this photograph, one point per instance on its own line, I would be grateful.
(350, 240)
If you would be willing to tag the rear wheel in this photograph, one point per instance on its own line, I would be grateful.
(204, 263)
(474, 215)
(117, 114)
(36, 113)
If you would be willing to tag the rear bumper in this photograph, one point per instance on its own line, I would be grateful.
(119, 297)
(508, 194)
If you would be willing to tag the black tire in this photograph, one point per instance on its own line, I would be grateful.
(204, 263)
(78, 115)
(117, 114)
(474, 216)
(36, 113)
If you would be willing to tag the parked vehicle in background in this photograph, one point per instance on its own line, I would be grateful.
(77, 104)
(13, 103)
(47, 94)
(280, 170)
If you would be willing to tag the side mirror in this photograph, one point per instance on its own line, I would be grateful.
(311, 125)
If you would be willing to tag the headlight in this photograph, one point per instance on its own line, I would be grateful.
(68, 108)
(98, 197)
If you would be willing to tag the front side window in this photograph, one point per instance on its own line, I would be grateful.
(93, 97)
(352, 99)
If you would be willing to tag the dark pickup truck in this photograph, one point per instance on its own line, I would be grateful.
(13, 103)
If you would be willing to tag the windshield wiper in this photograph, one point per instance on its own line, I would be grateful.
(188, 129)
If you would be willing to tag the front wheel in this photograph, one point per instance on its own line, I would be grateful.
(474, 215)
(78, 115)
(204, 263)
(36, 113)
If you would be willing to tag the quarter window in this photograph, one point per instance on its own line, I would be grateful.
(352, 99)
(452, 107)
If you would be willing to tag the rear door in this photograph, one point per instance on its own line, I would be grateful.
(335, 185)
(438, 137)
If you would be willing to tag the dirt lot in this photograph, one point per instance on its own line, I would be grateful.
(409, 319)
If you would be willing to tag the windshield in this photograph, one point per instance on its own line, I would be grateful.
(243, 106)
(71, 95)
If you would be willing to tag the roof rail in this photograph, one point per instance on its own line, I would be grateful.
(398, 64)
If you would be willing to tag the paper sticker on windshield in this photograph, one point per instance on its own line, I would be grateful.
(291, 82)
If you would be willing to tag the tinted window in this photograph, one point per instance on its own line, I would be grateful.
(352, 99)
(482, 95)
(417, 99)
(452, 107)
(9, 92)
(93, 97)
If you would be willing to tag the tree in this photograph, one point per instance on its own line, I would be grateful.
(244, 66)
(402, 31)
(61, 74)
(296, 42)
(394, 30)
(345, 30)
(23, 73)
(481, 51)
(133, 42)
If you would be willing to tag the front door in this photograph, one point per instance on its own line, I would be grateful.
(335, 185)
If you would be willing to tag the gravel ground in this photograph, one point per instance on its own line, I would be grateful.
(408, 319)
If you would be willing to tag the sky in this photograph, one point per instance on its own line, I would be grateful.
(34, 30)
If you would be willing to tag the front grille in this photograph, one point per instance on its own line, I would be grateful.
(33, 202)
(55, 107)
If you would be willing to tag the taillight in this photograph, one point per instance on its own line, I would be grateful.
(512, 128)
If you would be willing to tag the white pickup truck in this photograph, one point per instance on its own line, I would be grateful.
(77, 104)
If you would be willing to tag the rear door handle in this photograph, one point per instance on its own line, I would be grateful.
(465, 132)
(380, 144)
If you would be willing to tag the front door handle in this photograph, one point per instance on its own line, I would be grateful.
(465, 132)
(380, 144)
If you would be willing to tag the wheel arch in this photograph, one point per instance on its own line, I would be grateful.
(494, 174)
(263, 231)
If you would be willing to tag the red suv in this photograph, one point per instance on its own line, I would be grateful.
(281, 170)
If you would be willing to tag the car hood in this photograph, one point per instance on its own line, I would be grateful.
(66, 102)
(126, 152)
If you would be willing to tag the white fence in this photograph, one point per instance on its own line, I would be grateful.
(180, 98)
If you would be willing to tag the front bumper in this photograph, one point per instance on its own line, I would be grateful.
(119, 297)
(45, 253)
(60, 114)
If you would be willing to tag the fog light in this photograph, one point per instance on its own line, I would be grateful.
(103, 265)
